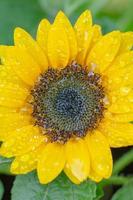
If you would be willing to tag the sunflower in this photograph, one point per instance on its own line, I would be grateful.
(66, 98)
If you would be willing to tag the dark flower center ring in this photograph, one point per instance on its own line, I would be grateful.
(68, 103)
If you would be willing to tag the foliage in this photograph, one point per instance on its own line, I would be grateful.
(27, 187)
(126, 192)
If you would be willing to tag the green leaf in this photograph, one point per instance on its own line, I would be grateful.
(5, 165)
(99, 192)
(1, 190)
(27, 187)
(124, 193)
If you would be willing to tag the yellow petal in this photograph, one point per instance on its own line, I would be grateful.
(94, 176)
(26, 162)
(12, 95)
(121, 104)
(51, 162)
(118, 134)
(12, 121)
(71, 176)
(23, 40)
(23, 64)
(106, 48)
(7, 73)
(84, 34)
(125, 89)
(21, 141)
(77, 159)
(62, 20)
(6, 110)
(121, 61)
(119, 73)
(127, 42)
(120, 81)
(42, 34)
(100, 153)
(121, 118)
(97, 34)
(58, 47)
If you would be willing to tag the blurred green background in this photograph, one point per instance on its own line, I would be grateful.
(111, 14)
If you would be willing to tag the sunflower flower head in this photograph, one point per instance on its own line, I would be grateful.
(66, 99)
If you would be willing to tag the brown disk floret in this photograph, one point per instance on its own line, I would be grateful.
(68, 103)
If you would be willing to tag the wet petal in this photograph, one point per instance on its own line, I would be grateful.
(51, 162)
(26, 162)
(121, 82)
(121, 61)
(42, 34)
(121, 118)
(127, 42)
(120, 72)
(106, 48)
(6, 110)
(118, 134)
(121, 104)
(21, 141)
(12, 121)
(12, 95)
(62, 20)
(7, 73)
(100, 153)
(71, 176)
(22, 63)
(97, 34)
(94, 176)
(84, 33)
(23, 40)
(77, 159)
(58, 47)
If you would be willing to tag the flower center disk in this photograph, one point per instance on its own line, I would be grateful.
(68, 103)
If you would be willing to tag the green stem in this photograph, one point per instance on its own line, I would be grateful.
(122, 162)
(116, 180)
